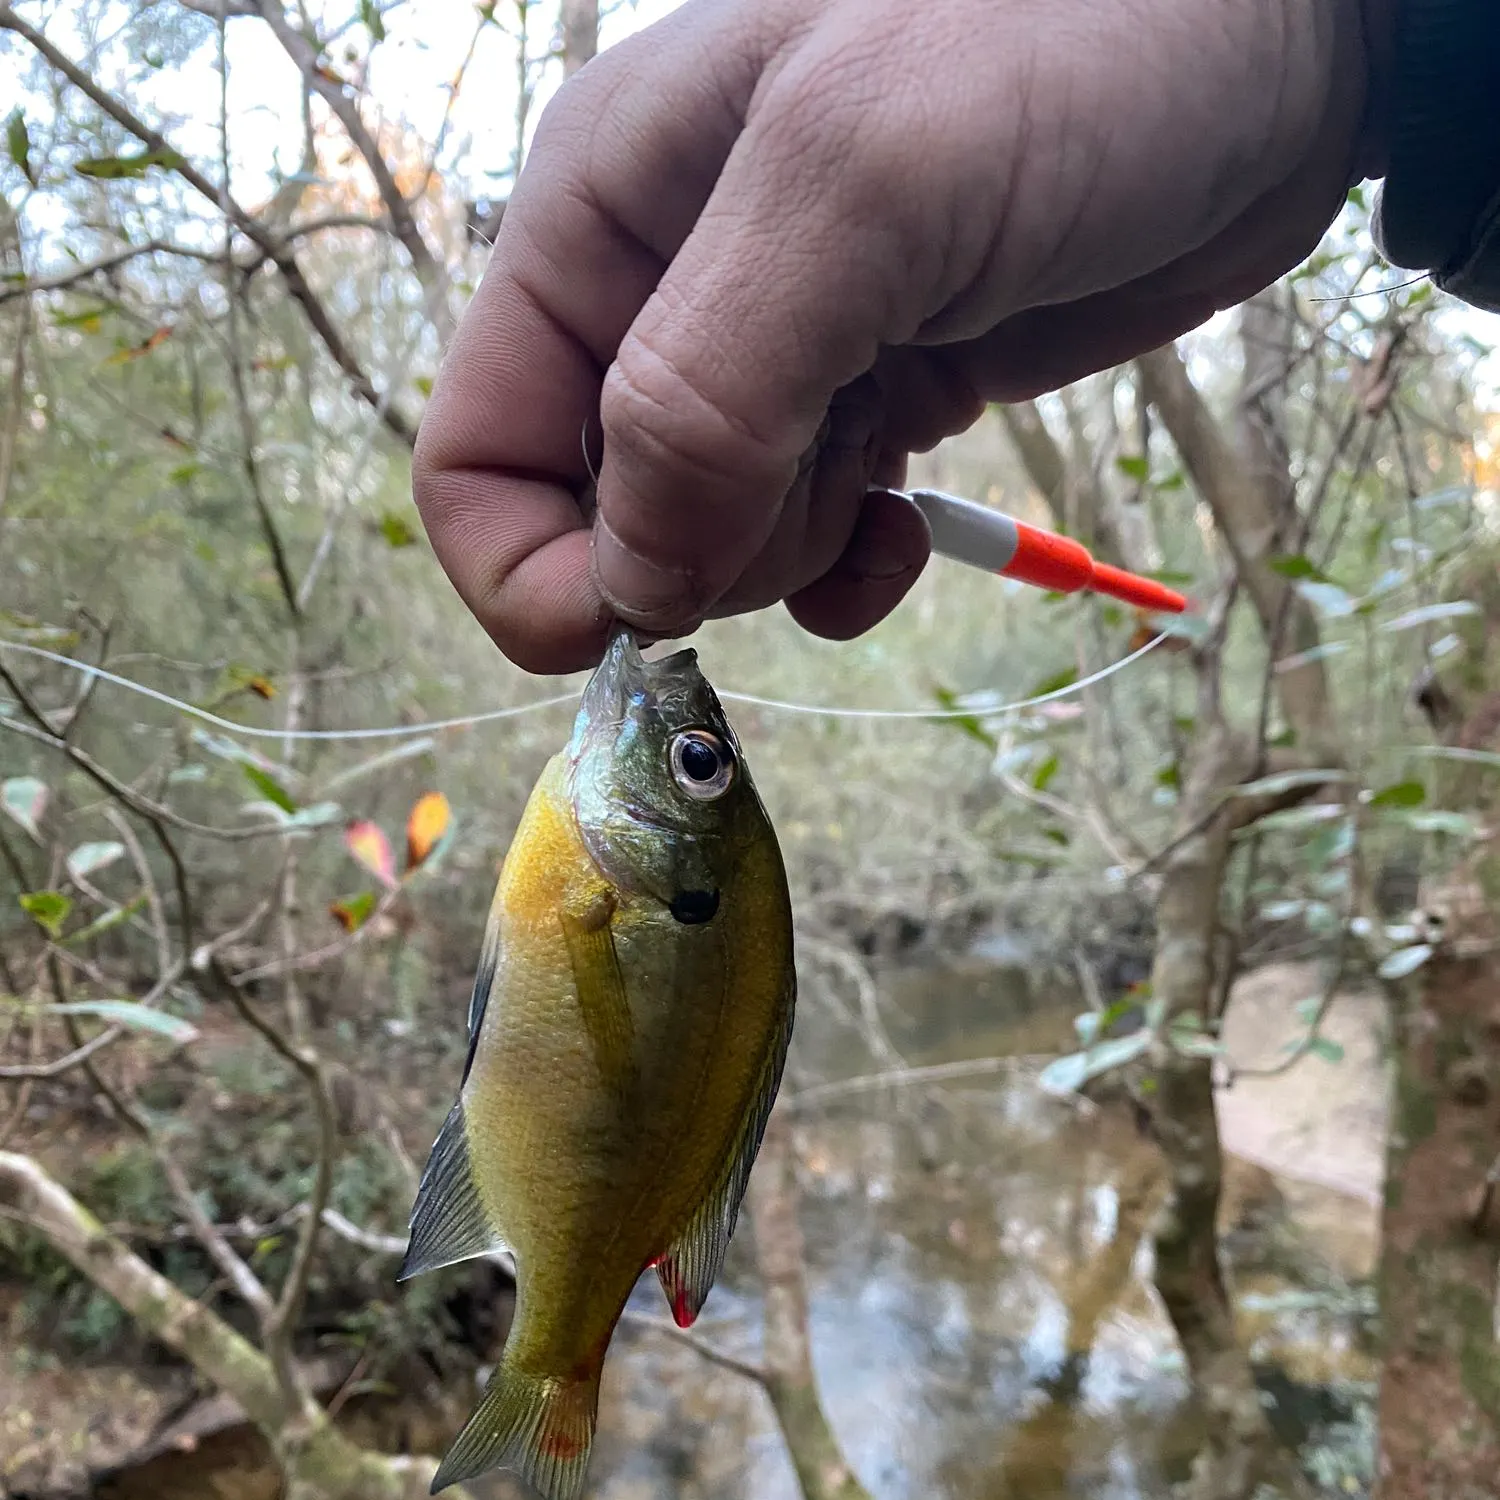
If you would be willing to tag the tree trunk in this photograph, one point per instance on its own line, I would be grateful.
(822, 1470)
(1240, 1451)
(1440, 1383)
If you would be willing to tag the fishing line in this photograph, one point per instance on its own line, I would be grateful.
(518, 710)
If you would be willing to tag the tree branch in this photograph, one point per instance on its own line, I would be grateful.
(304, 53)
(276, 251)
(1250, 530)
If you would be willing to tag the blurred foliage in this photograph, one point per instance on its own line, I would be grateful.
(132, 536)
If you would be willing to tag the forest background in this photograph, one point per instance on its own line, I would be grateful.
(1142, 1125)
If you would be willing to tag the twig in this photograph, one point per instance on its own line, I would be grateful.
(697, 1343)
(218, 1249)
(276, 251)
(429, 270)
(235, 354)
(132, 799)
(868, 1083)
(10, 433)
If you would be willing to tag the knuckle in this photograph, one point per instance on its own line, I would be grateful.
(659, 417)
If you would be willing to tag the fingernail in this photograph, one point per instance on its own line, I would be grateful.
(875, 556)
(639, 590)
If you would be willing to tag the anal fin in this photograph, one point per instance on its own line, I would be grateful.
(690, 1267)
(448, 1220)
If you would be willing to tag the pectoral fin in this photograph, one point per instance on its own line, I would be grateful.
(484, 980)
(448, 1221)
(601, 986)
(689, 1269)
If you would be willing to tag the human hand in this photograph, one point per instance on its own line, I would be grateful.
(778, 246)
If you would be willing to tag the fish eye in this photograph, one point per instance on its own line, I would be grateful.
(702, 764)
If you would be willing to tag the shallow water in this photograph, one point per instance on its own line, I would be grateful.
(982, 1322)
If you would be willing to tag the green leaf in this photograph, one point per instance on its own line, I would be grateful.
(87, 858)
(108, 920)
(969, 724)
(132, 1014)
(23, 799)
(1312, 654)
(319, 815)
(232, 750)
(352, 912)
(1454, 824)
(48, 909)
(1133, 466)
(397, 530)
(404, 751)
(1329, 1051)
(1301, 817)
(1405, 961)
(112, 168)
(1454, 494)
(268, 786)
(1055, 683)
(1283, 911)
(88, 320)
(1400, 794)
(1044, 773)
(1294, 565)
(1455, 609)
(373, 21)
(1307, 1010)
(1065, 1075)
(424, 384)
(18, 144)
(1191, 1044)
(1459, 752)
(1170, 776)
(1327, 598)
(1289, 781)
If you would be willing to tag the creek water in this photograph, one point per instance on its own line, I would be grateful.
(982, 1320)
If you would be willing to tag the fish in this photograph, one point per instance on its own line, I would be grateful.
(628, 1030)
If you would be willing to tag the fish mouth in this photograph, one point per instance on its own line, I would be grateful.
(626, 682)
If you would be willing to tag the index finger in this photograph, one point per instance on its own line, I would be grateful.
(623, 161)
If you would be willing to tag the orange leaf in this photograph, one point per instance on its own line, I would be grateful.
(262, 687)
(426, 825)
(155, 341)
(372, 849)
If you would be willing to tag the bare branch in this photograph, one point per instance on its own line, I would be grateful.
(275, 251)
(15, 396)
(700, 1346)
(1250, 531)
(305, 54)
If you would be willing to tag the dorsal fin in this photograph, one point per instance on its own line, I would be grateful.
(448, 1221)
(691, 1266)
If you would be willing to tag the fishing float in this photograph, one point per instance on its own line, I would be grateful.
(997, 543)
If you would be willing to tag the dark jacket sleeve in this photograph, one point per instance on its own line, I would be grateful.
(1439, 206)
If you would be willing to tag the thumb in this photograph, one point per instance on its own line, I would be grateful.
(781, 294)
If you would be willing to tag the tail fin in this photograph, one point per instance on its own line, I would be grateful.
(541, 1426)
